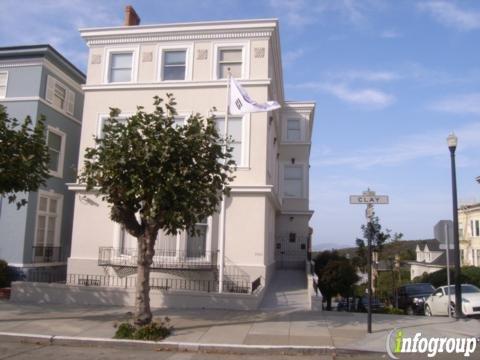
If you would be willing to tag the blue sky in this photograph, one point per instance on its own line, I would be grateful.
(391, 80)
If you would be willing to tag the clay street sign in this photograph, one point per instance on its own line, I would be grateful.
(366, 199)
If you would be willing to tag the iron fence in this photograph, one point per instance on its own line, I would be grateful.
(163, 259)
(167, 284)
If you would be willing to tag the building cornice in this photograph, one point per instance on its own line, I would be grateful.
(173, 85)
(135, 38)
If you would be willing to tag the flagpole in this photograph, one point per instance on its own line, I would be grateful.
(222, 208)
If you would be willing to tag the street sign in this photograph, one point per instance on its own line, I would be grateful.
(368, 199)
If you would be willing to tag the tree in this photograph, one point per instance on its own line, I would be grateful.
(336, 275)
(23, 156)
(468, 275)
(373, 230)
(156, 176)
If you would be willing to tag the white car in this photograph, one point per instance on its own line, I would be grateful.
(437, 303)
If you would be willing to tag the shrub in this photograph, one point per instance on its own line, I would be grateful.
(3, 274)
(153, 331)
(125, 331)
(468, 275)
(394, 311)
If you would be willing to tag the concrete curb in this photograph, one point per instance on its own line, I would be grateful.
(178, 346)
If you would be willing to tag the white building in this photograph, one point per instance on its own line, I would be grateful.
(267, 214)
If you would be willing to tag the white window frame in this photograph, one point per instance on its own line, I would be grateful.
(299, 122)
(246, 119)
(69, 102)
(61, 157)
(117, 237)
(244, 46)
(101, 122)
(58, 222)
(304, 192)
(121, 50)
(302, 122)
(188, 61)
(4, 95)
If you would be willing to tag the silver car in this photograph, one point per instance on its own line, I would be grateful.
(438, 304)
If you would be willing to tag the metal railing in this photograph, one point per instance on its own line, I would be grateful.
(163, 259)
(47, 254)
(256, 284)
(167, 284)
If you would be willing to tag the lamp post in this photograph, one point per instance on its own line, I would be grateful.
(452, 145)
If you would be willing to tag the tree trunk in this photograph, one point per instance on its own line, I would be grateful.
(146, 243)
(329, 303)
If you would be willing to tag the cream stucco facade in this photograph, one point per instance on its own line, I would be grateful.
(469, 234)
(267, 213)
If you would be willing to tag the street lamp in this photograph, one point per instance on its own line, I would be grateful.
(452, 141)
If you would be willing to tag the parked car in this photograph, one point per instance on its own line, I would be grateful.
(438, 304)
(346, 304)
(411, 297)
(377, 305)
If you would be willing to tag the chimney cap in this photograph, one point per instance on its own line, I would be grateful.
(131, 16)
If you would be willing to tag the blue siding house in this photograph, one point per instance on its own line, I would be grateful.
(37, 80)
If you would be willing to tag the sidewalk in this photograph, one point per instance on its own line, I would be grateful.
(295, 328)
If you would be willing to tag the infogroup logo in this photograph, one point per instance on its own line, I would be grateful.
(398, 343)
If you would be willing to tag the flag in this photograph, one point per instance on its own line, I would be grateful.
(242, 103)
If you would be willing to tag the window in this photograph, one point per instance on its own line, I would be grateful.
(477, 227)
(3, 83)
(120, 67)
(103, 120)
(230, 58)
(235, 130)
(197, 243)
(293, 181)
(174, 65)
(293, 130)
(59, 96)
(56, 150)
(478, 257)
(49, 217)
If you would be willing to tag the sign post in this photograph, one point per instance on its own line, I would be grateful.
(369, 198)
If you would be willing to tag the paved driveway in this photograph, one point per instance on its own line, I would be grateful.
(287, 291)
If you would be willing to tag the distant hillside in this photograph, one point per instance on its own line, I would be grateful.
(406, 248)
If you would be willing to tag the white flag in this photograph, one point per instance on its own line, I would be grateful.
(241, 103)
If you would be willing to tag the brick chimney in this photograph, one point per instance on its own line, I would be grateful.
(131, 17)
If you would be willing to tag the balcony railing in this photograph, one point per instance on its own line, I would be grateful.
(47, 254)
(163, 259)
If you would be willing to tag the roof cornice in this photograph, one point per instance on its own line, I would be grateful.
(177, 32)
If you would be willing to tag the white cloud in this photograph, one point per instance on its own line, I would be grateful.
(303, 12)
(291, 56)
(451, 15)
(460, 104)
(55, 22)
(366, 96)
(363, 75)
(390, 34)
(427, 145)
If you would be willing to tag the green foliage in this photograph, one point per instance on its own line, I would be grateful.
(153, 331)
(336, 275)
(468, 275)
(23, 156)
(172, 176)
(393, 311)
(125, 331)
(387, 281)
(3, 274)
(373, 230)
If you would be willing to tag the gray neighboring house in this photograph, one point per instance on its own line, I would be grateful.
(37, 80)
